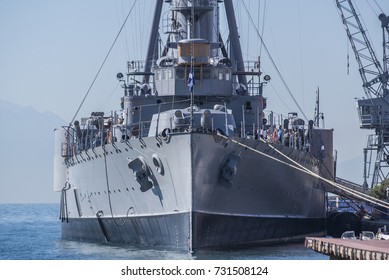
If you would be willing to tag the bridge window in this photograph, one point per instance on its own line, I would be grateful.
(228, 75)
(180, 75)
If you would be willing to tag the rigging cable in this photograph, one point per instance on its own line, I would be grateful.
(301, 53)
(263, 27)
(103, 63)
(248, 37)
(109, 97)
(125, 37)
(348, 58)
(274, 64)
(379, 7)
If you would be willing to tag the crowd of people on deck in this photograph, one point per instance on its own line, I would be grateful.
(290, 137)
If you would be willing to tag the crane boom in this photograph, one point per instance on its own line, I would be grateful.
(370, 68)
(373, 111)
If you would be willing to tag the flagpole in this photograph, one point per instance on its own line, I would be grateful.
(191, 74)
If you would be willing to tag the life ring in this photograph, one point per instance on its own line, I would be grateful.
(158, 164)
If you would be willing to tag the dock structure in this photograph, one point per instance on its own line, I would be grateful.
(349, 249)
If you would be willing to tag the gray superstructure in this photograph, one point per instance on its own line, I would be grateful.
(187, 166)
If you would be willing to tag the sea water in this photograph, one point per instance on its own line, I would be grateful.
(33, 232)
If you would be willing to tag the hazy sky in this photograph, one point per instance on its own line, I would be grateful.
(51, 50)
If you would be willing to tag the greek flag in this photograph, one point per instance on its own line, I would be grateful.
(191, 81)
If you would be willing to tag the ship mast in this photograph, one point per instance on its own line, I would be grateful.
(318, 115)
(235, 43)
(153, 38)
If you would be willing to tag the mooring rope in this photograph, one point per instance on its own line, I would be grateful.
(343, 190)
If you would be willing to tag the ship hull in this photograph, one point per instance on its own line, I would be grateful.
(172, 232)
(207, 192)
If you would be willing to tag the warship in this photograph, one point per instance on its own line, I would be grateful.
(189, 160)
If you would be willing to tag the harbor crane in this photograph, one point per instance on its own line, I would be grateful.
(373, 110)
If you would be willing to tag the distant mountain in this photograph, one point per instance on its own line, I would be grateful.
(26, 154)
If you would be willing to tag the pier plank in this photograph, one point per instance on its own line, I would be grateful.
(350, 249)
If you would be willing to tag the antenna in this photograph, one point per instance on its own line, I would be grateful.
(318, 115)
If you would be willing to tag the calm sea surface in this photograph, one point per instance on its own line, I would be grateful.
(33, 232)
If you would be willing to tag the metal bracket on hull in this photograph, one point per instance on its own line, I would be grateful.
(141, 173)
(63, 214)
(99, 215)
(229, 168)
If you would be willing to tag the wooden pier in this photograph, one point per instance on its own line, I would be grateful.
(349, 249)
